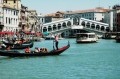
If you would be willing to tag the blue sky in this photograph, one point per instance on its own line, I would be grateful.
(52, 6)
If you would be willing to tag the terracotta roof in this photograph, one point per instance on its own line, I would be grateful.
(54, 14)
(89, 10)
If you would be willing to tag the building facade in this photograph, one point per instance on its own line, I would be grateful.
(1, 15)
(10, 19)
(51, 17)
(33, 20)
(10, 13)
(23, 18)
(13, 3)
(96, 14)
(112, 17)
(118, 21)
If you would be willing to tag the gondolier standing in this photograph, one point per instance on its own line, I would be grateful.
(56, 41)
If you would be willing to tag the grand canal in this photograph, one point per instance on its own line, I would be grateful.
(81, 61)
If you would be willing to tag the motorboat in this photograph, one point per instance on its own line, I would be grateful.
(86, 38)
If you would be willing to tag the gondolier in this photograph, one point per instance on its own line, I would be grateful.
(56, 41)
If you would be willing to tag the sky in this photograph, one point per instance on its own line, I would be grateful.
(52, 6)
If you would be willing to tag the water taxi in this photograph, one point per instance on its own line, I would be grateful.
(86, 38)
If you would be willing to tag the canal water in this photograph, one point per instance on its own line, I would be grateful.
(81, 61)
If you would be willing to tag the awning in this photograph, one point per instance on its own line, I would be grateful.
(45, 33)
(38, 34)
(7, 33)
(29, 33)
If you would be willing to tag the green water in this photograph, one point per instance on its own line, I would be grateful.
(81, 61)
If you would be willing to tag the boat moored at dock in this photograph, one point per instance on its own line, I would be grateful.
(117, 38)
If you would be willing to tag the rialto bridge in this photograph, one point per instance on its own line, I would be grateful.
(66, 25)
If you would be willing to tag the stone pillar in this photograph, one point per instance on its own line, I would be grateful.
(111, 21)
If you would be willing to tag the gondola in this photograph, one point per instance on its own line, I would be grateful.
(20, 46)
(11, 44)
(117, 37)
(12, 53)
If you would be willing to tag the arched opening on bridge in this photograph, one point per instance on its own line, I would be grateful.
(49, 28)
(93, 26)
(83, 24)
(102, 28)
(107, 29)
(76, 21)
(69, 23)
(59, 26)
(54, 27)
(44, 29)
(64, 24)
(97, 27)
(88, 25)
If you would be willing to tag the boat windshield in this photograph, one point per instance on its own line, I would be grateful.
(91, 36)
(82, 36)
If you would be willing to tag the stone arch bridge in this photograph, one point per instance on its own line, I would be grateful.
(70, 23)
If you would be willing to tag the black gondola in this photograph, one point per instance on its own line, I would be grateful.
(12, 53)
(20, 46)
(118, 37)
(11, 44)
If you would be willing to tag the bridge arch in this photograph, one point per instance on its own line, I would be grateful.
(76, 20)
(88, 25)
(64, 25)
(83, 23)
(69, 24)
(97, 27)
(93, 26)
(44, 29)
(59, 26)
(54, 27)
(107, 29)
(102, 28)
(49, 28)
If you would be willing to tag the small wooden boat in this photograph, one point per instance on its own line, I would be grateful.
(109, 35)
(12, 53)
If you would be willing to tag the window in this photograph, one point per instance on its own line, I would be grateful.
(16, 21)
(14, 12)
(9, 20)
(14, 1)
(6, 20)
(5, 1)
